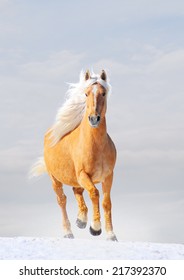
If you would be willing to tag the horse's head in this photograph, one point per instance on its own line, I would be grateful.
(96, 98)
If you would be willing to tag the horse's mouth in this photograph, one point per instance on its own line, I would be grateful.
(94, 125)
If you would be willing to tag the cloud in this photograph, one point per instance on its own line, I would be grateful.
(17, 158)
(168, 69)
(58, 66)
(55, 67)
(154, 157)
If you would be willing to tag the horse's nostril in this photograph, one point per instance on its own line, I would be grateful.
(94, 120)
(98, 118)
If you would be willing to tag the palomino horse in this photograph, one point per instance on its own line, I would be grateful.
(79, 152)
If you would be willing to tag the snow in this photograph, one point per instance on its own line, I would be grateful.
(30, 248)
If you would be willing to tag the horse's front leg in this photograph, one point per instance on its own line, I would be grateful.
(83, 210)
(106, 187)
(85, 182)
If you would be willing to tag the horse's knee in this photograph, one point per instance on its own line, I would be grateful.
(78, 191)
(94, 194)
(62, 200)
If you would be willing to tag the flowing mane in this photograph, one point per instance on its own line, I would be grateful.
(70, 114)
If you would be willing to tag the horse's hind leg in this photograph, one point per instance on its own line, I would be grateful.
(83, 210)
(61, 198)
(106, 187)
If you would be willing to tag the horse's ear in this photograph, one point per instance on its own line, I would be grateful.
(87, 75)
(103, 75)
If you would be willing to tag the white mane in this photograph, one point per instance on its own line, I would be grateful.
(70, 115)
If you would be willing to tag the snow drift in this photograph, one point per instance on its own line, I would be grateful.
(29, 248)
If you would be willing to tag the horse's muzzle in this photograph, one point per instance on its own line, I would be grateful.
(94, 120)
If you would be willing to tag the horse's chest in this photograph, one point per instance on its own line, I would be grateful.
(97, 167)
(100, 173)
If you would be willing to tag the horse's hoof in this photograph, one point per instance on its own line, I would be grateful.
(95, 232)
(80, 223)
(112, 238)
(69, 235)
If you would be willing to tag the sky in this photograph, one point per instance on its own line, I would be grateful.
(43, 46)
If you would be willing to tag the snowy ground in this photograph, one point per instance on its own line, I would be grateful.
(28, 248)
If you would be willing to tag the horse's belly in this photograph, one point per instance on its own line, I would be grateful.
(60, 165)
(66, 173)
(63, 171)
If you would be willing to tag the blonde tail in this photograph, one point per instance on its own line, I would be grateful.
(38, 168)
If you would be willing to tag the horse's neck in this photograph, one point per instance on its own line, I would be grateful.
(96, 136)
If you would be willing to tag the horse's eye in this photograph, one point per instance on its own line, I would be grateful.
(86, 94)
(103, 93)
